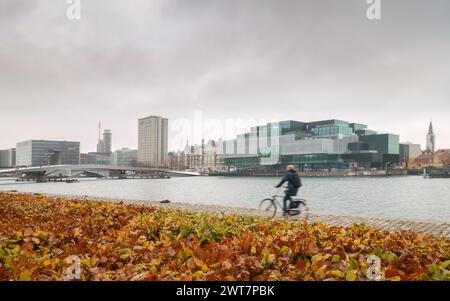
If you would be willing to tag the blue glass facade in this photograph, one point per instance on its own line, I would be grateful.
(329, 142)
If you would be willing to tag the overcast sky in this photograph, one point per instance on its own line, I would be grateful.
(249, 60)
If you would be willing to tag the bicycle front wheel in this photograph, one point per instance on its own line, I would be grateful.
(267, 208)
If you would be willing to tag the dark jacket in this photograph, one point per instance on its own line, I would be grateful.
(293, 180)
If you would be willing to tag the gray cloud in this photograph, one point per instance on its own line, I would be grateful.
(284, 59)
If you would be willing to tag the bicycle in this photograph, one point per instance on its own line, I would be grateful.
(268, 207)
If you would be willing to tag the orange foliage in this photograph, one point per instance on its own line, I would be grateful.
(115, 241)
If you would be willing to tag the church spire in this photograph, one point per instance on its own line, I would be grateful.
(430, 130)
(431, 142)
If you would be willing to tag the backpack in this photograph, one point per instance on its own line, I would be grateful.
(296, 181)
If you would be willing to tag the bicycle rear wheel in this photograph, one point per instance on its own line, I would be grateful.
(303, 208)
(267, 208)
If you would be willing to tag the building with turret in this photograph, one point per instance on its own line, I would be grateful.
(104, 146)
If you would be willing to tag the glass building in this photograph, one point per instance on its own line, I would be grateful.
(7, 158)
(327, 144)
(124, 157)
(95, 158)
(44, 152)
(409, 151)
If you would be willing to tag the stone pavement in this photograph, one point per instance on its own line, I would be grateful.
(424, 227)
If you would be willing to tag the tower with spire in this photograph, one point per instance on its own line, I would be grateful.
(104, 145)
(431, 143)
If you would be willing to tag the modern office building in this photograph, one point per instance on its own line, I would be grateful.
(7, 158)
(409, 151)
(374, 150)
(44, 152)
(328, 144)
(124, 157)
(153, 141)
(95, 158)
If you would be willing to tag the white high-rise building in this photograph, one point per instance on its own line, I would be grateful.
(107, 141)
(153, 141)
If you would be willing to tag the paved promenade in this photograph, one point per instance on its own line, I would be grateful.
(439, 229)
(424, 227)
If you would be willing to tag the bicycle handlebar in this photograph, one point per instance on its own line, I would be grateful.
(278, 190)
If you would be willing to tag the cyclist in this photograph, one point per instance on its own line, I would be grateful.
(294, 183)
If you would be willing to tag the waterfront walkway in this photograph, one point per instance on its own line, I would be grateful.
(389, 224)
(423, 227)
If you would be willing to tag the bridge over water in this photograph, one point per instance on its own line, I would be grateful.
(43, 173)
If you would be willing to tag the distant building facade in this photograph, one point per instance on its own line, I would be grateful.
(193, 156)
(107, 141)
(439, 159)
(104, 146)
(212, 162)
(319, 145)
(95, 158)
(45, 152)
(409, 151)
(153, 141)
(177, 160)
(8, 158)
(201, 158)
(124, 157)
(431, 139)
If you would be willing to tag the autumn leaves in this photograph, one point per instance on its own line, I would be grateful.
(128, 242)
